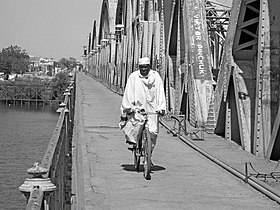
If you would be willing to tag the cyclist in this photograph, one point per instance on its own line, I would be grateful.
(144, 90)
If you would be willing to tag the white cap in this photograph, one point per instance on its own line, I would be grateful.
(144, 61)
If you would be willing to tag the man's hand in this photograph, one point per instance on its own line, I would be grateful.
(161, 112)
(130, 111)
(122, 122)
(124, 118)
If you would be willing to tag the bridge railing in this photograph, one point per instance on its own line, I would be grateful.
(50, 186)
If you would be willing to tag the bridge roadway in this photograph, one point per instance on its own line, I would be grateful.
(104, 175)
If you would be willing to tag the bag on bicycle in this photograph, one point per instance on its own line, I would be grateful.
(133, 127)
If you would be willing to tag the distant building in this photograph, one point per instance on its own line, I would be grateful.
(42, 66)
(34, 65)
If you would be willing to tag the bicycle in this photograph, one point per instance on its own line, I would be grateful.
(143, 147)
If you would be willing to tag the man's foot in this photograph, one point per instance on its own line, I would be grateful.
(152, 164)
(130, 142)
(132, 148)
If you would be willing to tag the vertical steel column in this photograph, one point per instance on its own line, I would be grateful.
(257, 144)
(178, 62)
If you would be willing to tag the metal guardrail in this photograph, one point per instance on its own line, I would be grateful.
(247, 177)
(50, 186)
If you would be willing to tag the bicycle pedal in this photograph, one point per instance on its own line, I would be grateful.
(130, 143)
(130, 148)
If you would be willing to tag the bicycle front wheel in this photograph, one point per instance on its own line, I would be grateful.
(147, 156)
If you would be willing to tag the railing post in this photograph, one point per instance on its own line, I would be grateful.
(67, 95)
(70, 87)
(62, 105)
(36, 187)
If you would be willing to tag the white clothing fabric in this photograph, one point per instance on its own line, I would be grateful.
(145, 93)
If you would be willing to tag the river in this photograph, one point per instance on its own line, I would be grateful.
(25, 133)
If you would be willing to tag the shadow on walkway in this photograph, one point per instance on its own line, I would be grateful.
(131, 167)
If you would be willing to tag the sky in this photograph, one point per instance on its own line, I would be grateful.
(224, 2)
(48, 28)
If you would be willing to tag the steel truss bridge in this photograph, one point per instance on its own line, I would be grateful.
(220, 65)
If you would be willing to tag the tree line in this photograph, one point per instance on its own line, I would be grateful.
(15, 60)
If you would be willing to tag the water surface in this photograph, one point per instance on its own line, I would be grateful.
(24, 136)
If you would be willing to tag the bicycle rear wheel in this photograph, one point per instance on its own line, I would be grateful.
(147, 156)
(137, 155)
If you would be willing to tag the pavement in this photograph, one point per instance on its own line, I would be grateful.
(104, 177)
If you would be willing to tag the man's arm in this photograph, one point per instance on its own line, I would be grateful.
(128, 96)
(161, 96)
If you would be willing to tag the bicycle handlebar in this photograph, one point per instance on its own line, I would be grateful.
(149, 113)
(144, 112)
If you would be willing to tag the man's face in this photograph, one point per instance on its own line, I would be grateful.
(144, 70)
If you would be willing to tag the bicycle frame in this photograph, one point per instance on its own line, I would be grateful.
(143, 148)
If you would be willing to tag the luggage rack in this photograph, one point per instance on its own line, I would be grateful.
(262, 174)
(180, 120)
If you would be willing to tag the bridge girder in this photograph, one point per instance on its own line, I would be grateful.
(218, 64)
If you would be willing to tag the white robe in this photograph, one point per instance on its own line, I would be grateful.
(145, 93)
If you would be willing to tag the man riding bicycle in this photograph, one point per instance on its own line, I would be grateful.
(144, 91)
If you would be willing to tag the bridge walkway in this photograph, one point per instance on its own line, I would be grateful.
(104, 175)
